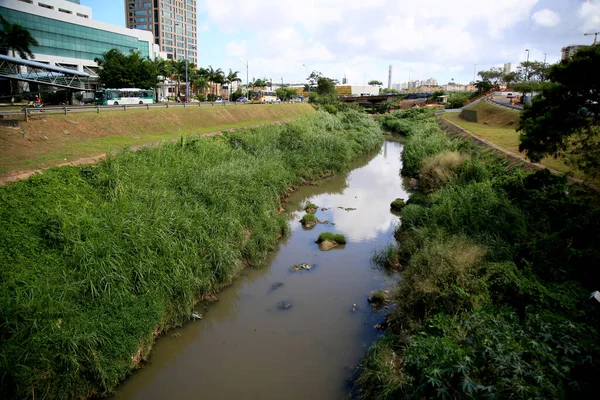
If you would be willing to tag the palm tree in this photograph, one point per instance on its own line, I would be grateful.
(215, 76)
(15, 38)
(230, 78)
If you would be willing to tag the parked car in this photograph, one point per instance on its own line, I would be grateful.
(510, 95)
(219, 100)
(278, 100)
(299, 99)
(242, 100)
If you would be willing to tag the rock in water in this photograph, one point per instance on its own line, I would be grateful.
(327, 245)
(298, 267)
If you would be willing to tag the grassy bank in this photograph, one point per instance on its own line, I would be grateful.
(48, 140)
(499, 126)
(498, 265)
(96, 261)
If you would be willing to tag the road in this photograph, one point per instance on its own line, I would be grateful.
(503, 100)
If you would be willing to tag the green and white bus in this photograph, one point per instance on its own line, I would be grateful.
(124, 96)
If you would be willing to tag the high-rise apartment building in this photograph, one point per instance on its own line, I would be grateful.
(173, 23)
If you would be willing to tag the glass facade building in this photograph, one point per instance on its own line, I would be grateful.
(64, 39)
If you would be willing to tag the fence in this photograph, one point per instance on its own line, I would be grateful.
(29, 111)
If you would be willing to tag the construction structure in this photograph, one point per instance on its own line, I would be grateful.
(173, 24)
(390, 78)
(569, 50)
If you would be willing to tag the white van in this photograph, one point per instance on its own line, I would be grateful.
(510, 96)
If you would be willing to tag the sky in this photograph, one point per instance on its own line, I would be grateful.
(359, 39)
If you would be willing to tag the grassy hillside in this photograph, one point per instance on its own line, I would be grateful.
(498, 125)
(49, 140)
(95, 261)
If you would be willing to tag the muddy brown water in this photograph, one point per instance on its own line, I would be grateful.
(247, 347)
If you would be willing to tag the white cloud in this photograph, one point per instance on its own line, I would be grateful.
(357, 37)
(546, 18)
(589, 12)
(236, 48)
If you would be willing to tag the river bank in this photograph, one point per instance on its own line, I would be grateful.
(285, 331)
(50, 140)
(99, 260)
(498, 264)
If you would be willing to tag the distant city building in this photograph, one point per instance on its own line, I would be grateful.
(68, 37)
(344, 80)
(568, 51)
(507, 68)
(173, 23)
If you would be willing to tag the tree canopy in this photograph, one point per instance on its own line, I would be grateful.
(15, 39)
(565, 118)
(286, 93)
(375, 83)
(118, 70)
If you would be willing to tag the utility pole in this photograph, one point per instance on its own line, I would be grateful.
(308, 78)
(246, 64)
(595, 36)
(544, 70)
(527, 67)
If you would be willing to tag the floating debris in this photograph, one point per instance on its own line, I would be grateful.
(196, 316)
(276, 285)
(349, 209)
(298, 267)
(284, 305)
(325, 208)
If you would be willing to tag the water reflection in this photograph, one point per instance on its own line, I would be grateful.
(247, 347)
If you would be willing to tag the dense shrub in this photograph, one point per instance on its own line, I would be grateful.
(494, 299)
(97, 260)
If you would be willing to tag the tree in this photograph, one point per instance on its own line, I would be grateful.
(286, 93)
(388, 91)
(565, 119)
(16, 39)
(118, 70)
(375, 83)
(483, 86)
(230, 78)
(494, 76)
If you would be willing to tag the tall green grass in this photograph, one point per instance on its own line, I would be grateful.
(96, 261)
(494, 299)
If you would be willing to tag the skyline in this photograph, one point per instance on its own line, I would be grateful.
(342, 37)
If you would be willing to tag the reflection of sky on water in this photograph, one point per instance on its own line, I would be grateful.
(372, 215)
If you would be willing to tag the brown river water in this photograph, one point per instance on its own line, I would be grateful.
(247, 347)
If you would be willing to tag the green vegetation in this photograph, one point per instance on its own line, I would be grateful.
(494, 296)
(498, 126)
(378, 299)
(310, 206)
(98, 260)
(397, 205)
(118, 70)
(332, 237)
(564, 121)
(309, 220)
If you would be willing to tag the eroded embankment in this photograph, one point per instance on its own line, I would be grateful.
(498, 263)
(54, 139)
(98, 260)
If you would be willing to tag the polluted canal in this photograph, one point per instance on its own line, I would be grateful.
(277, 333)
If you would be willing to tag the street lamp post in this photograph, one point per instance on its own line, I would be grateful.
(308, 78)
(187, 86)
(527, 67)
(544, 70)
(246, 64)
